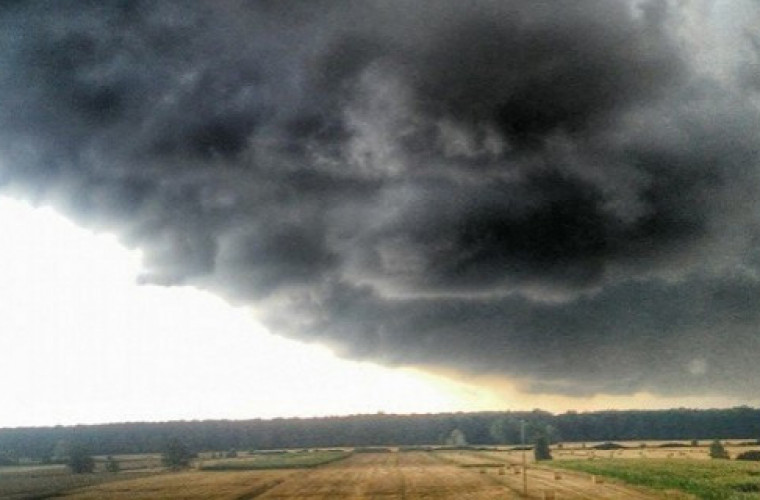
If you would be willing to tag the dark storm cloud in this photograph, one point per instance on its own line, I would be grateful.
(561, 192)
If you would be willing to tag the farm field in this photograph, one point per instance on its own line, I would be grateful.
(714, 479)
(669, 466)
(578, 471)
(649, 449)
(190, 485)
(289, 460)
(17, 483)
(411, 476)
(545, 481)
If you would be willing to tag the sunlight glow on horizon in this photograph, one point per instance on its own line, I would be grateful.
(81, 342)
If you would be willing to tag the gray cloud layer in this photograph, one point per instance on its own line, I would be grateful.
(563, 192)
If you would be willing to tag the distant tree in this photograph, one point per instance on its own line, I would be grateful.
(608, 445)
(112, 465)
(717, 450)
(749, 455)
(504, 430)
(60, 452)
(232, 453)
(499, 430)
(551, 433)
(456, 438)
(176, 454)
(80, 460)
(541, 451)
(7, 459)
(370, 430)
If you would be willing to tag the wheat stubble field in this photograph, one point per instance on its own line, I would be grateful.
(412, 475)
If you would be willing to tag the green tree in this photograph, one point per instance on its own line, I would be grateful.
(749, 455)
(717, 450)
(176, 454)
(541, 450)
(456, 438)
(7, 459)
(498, 430)
(504, 430)
(112, 465)
(80, 460)
(61, 451)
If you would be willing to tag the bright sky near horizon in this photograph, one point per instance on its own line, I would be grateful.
(82, 342)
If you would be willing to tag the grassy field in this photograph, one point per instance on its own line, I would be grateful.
(706, 479)
(144, 462)
(290, 460)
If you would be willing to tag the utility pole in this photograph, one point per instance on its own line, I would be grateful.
(524, 460)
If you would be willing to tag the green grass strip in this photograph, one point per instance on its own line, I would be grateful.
(279, 461)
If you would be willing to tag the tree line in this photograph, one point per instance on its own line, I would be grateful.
(486, 428)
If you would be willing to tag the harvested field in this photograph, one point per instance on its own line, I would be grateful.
(649, 450)
(406, 476)
(17, 483)
(415, 475)
(192, 485)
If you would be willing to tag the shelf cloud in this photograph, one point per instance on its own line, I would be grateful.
(563, 193)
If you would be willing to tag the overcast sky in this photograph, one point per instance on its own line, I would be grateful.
(558, 195)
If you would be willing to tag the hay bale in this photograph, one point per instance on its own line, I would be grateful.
(557, 476)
